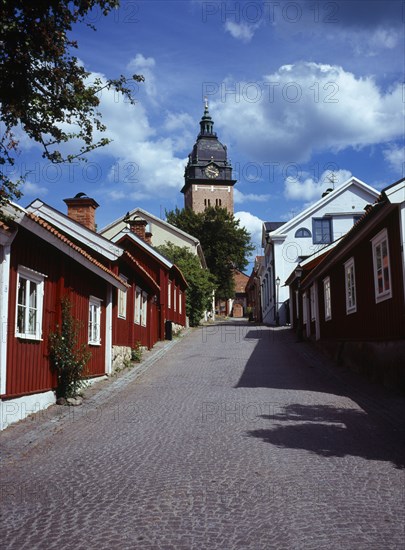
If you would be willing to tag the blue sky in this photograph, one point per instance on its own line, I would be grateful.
(296, 90)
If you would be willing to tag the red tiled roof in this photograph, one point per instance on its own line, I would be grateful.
(48, 227)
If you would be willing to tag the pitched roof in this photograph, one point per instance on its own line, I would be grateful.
(325, 200)
(61, 237)
(272, 226)
(344, 241)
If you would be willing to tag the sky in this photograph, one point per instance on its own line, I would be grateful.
(298, 91)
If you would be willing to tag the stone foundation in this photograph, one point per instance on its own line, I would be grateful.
(121, 357)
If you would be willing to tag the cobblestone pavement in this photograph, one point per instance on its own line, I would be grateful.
(236, 438)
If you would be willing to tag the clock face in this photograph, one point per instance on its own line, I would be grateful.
(212, 171)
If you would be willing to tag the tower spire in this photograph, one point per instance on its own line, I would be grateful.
(206, 122)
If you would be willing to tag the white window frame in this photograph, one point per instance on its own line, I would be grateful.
(327, 299)
(32, 277)
(313, 302)
(144, 309)
(350, 286)
(175, 298)
(180, 302)
(137, 309)
(169, 295)
(376, 243)
(94, 324)
(122, 299)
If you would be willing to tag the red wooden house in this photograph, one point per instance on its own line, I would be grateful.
(40, 265)
(352, 297)
(139, 315)
(171, 300)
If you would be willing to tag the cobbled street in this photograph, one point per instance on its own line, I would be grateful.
(237, 437)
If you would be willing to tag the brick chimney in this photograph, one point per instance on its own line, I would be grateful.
(82, 209)
(138, 226)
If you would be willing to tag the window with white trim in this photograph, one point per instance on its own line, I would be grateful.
(169, 294)
(382, 269)
(312, 300)
(180, 302)
(144, 310)
(327, 299)
(94, 321)
(350, 286)
(30, 294)
(175, 298)
(122, 300)
(137, 315)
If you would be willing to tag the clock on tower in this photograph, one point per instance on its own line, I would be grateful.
(208, 174)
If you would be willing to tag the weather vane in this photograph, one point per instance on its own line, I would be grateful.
(206, 102)
(332, 179)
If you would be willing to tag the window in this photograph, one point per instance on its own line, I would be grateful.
(312, 300)
(122, 300)
(381, 263)
(180, 302)
(169, 295)
(30, 291)
(175, 298)
(304, 308)
(218, 202)
(327, 299)
(144, 310)
(322, 230)
(207, 202)
(94, 321)
(302, 232)
(137, 315)
(350, 286)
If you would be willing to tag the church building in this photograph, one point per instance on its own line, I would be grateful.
(208, 174)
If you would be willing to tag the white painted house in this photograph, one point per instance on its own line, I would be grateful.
(160, 232)
(286, 244)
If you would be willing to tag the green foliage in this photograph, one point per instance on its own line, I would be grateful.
(200, 282)
(68, 357)
(136, 353)
(226, 245)
(44, 89)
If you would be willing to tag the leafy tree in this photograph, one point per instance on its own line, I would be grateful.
(226, 245)
(45, 91)
(200, 282)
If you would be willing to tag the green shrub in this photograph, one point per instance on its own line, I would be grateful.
(68, 357)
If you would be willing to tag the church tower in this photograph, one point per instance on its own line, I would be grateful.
(208, 174)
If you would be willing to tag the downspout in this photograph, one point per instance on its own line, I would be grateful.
(5, 248)
(108, 331)
(402, 235)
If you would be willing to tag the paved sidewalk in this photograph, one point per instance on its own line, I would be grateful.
(236, 437)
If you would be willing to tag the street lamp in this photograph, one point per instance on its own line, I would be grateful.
(298, 274)
(277, 293)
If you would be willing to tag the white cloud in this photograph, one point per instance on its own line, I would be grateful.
(145, 66)
(33, 189)
(254, 225)
(241, 31)
(395, 156)
(308, 189)
(305, 108)
(240, 198)
(140, 162)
